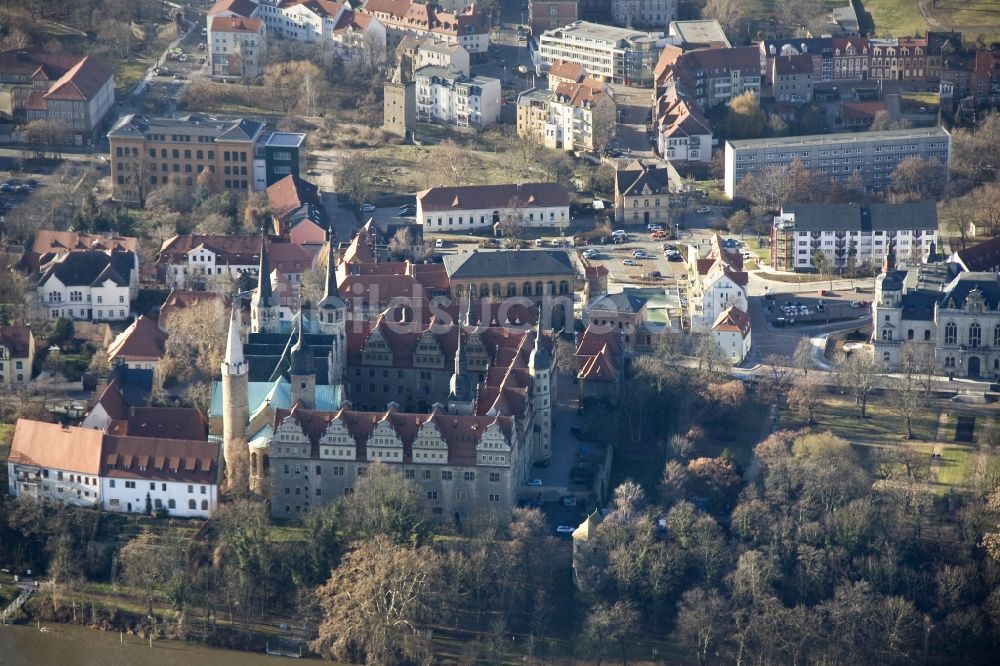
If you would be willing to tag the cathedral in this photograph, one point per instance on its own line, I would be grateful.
(463, 408)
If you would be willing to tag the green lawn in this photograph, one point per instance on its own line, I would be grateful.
(896, 18)
(882, 425)
(128, 72)
(956, 466)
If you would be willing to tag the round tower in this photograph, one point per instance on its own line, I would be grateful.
(235, 402)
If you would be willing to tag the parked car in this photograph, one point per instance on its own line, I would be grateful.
(639, 254)
(629, 262)
(533, 482)
(703, 210)
(439, 243)
(565, 529)
(367, 208)
(589, 254)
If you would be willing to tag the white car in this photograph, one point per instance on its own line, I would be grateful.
(703, 210)
(589, 254)
(565, 529)
(439, 243)
(629, 262)
(367, 208)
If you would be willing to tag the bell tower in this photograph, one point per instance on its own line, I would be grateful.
(264, 304)
(235, 399)
(331, 313)
(540, 367)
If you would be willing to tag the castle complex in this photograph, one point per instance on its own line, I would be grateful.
(463, 408)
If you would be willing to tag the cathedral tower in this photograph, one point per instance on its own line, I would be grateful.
(331, 314)
(235, 399)
(540, 367)
(460, 397)
(264, 304)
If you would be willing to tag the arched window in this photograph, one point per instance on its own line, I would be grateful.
(204, 505)
(192, 504)
(975, 335)
(564, 287)
(459, 291)
(996, 336)
(511, 289)
(909, 334)
(886, 334)
(886, 357)
(538, 289)
(171, 504)
(526, 289)
(496, 290)
(550, 288)
(484, 290)
(950, 333)
(472, 291)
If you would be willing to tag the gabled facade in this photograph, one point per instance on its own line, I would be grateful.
(403, 18)
(732, 333)
(92, 285)
(642, 194)
(682, 132)
(716, 283)
(17, 355)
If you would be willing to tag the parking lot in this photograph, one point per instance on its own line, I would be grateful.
(15, 192)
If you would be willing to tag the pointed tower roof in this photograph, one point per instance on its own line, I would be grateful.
(264, 294)
(302, 358)
(331, 295)
(461, 386)
(234, 363)
(540, 357)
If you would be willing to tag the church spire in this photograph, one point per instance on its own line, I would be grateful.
(301, 358)
(540, 357)
(331, 294)
(264, 293)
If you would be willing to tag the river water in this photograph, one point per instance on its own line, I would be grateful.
(71, 645)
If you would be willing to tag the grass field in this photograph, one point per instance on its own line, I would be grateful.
(883, 425)
(896, 18)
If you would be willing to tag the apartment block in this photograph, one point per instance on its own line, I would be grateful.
(711, 76)
(352, 35)
(614, 54)
(403, 17)
(447, 96)
(573, 116)
(149, 152)
(237, 46)
(874, 155)
(852, 234)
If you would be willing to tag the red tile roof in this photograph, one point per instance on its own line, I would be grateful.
(242, 7)
(53, 446)
(236, 24)
(160, 459)
(580, 95)
(733, 319)
(794, 64)
(599, 367)
(237, 250)
(564, 69)
(187, 423)
(57, 242)
(81, 83)
(595, 271)
(142, 340)
(476, 197)
(850, 111)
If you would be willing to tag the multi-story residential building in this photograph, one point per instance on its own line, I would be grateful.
(148, 152)
(642, 193)
(76, 92)
(682, 133)
(423, 51)
(449, 209)
(899, 59)
(213, 261)
(939, 43)
(820, 48)
(732, 333)
(127, 474)
(550, 14)
(614, 54)
(352, 35)
(716, 283)
(851, 58)
(654, 14)
(874, 155)
(954, 319)
(624, 313)
(849, 233)
(404, 17)
(50, 244)
(89, 284)
(792, 79)
(692, 35)
(574, 116)
(533, 113)
(565, 72)
(986, 77)
(447, 96)
(17, 355)
(711, 76)
(582, 116)
(237, 47)
(232, 9)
